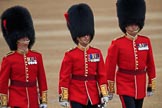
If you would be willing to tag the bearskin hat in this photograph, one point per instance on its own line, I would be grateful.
(16, 23)
(80, 21)
(131, 12)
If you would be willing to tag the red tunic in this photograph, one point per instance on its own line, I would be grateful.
(82, 63)
(131, 55)
(19, 69)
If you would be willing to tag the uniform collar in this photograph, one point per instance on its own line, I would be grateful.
(131, 37)
(83, 48)
(22, 51)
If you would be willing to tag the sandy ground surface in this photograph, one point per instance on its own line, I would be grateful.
(53, 38)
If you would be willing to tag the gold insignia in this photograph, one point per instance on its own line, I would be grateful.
(70, 49)
(104, 90)
(92, 46)
(116, 38)
(153, 84)
(10, 53)
(111, 86)
(34, 51)
(44, 97)
(64, 94)
(3, 98)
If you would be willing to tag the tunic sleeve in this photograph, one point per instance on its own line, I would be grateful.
(102, 75)
(150, 64)
(4, 75)
(65, 72)
(111, 61)
(41, 76)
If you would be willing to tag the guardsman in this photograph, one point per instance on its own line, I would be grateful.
(82, 69)
(132, 55)
(22, 75)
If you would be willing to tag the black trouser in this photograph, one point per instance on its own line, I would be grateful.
(78, 105)
(131, 102)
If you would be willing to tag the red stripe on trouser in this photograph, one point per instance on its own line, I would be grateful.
(122, 101)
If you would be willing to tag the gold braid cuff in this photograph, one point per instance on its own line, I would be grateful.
(44, 97)
(3, 98)
(152, 85)
(64, 94)
(111, 86)
(104, 90)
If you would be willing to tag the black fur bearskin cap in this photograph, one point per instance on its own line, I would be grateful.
(80, 21)
(16, 23)
(131, 12)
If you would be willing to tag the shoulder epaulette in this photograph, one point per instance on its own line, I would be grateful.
(70, 49)
(143, 36)
(11, 52)
(34, 51)
(118, 37)
(93, 47)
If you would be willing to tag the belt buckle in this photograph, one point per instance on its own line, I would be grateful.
(86, 78)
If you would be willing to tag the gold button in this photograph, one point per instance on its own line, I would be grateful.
(135, 49)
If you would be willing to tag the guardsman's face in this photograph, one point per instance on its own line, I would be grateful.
(84, 40)
(132, 29)
(23, 41)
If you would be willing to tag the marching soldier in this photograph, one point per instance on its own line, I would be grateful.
(82, 70)
(22, 69)
(132, 54)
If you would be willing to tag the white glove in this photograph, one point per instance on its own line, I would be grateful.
(104, 99)
(43, 106)
(110, 96)
(150, 93)
(64, 103)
